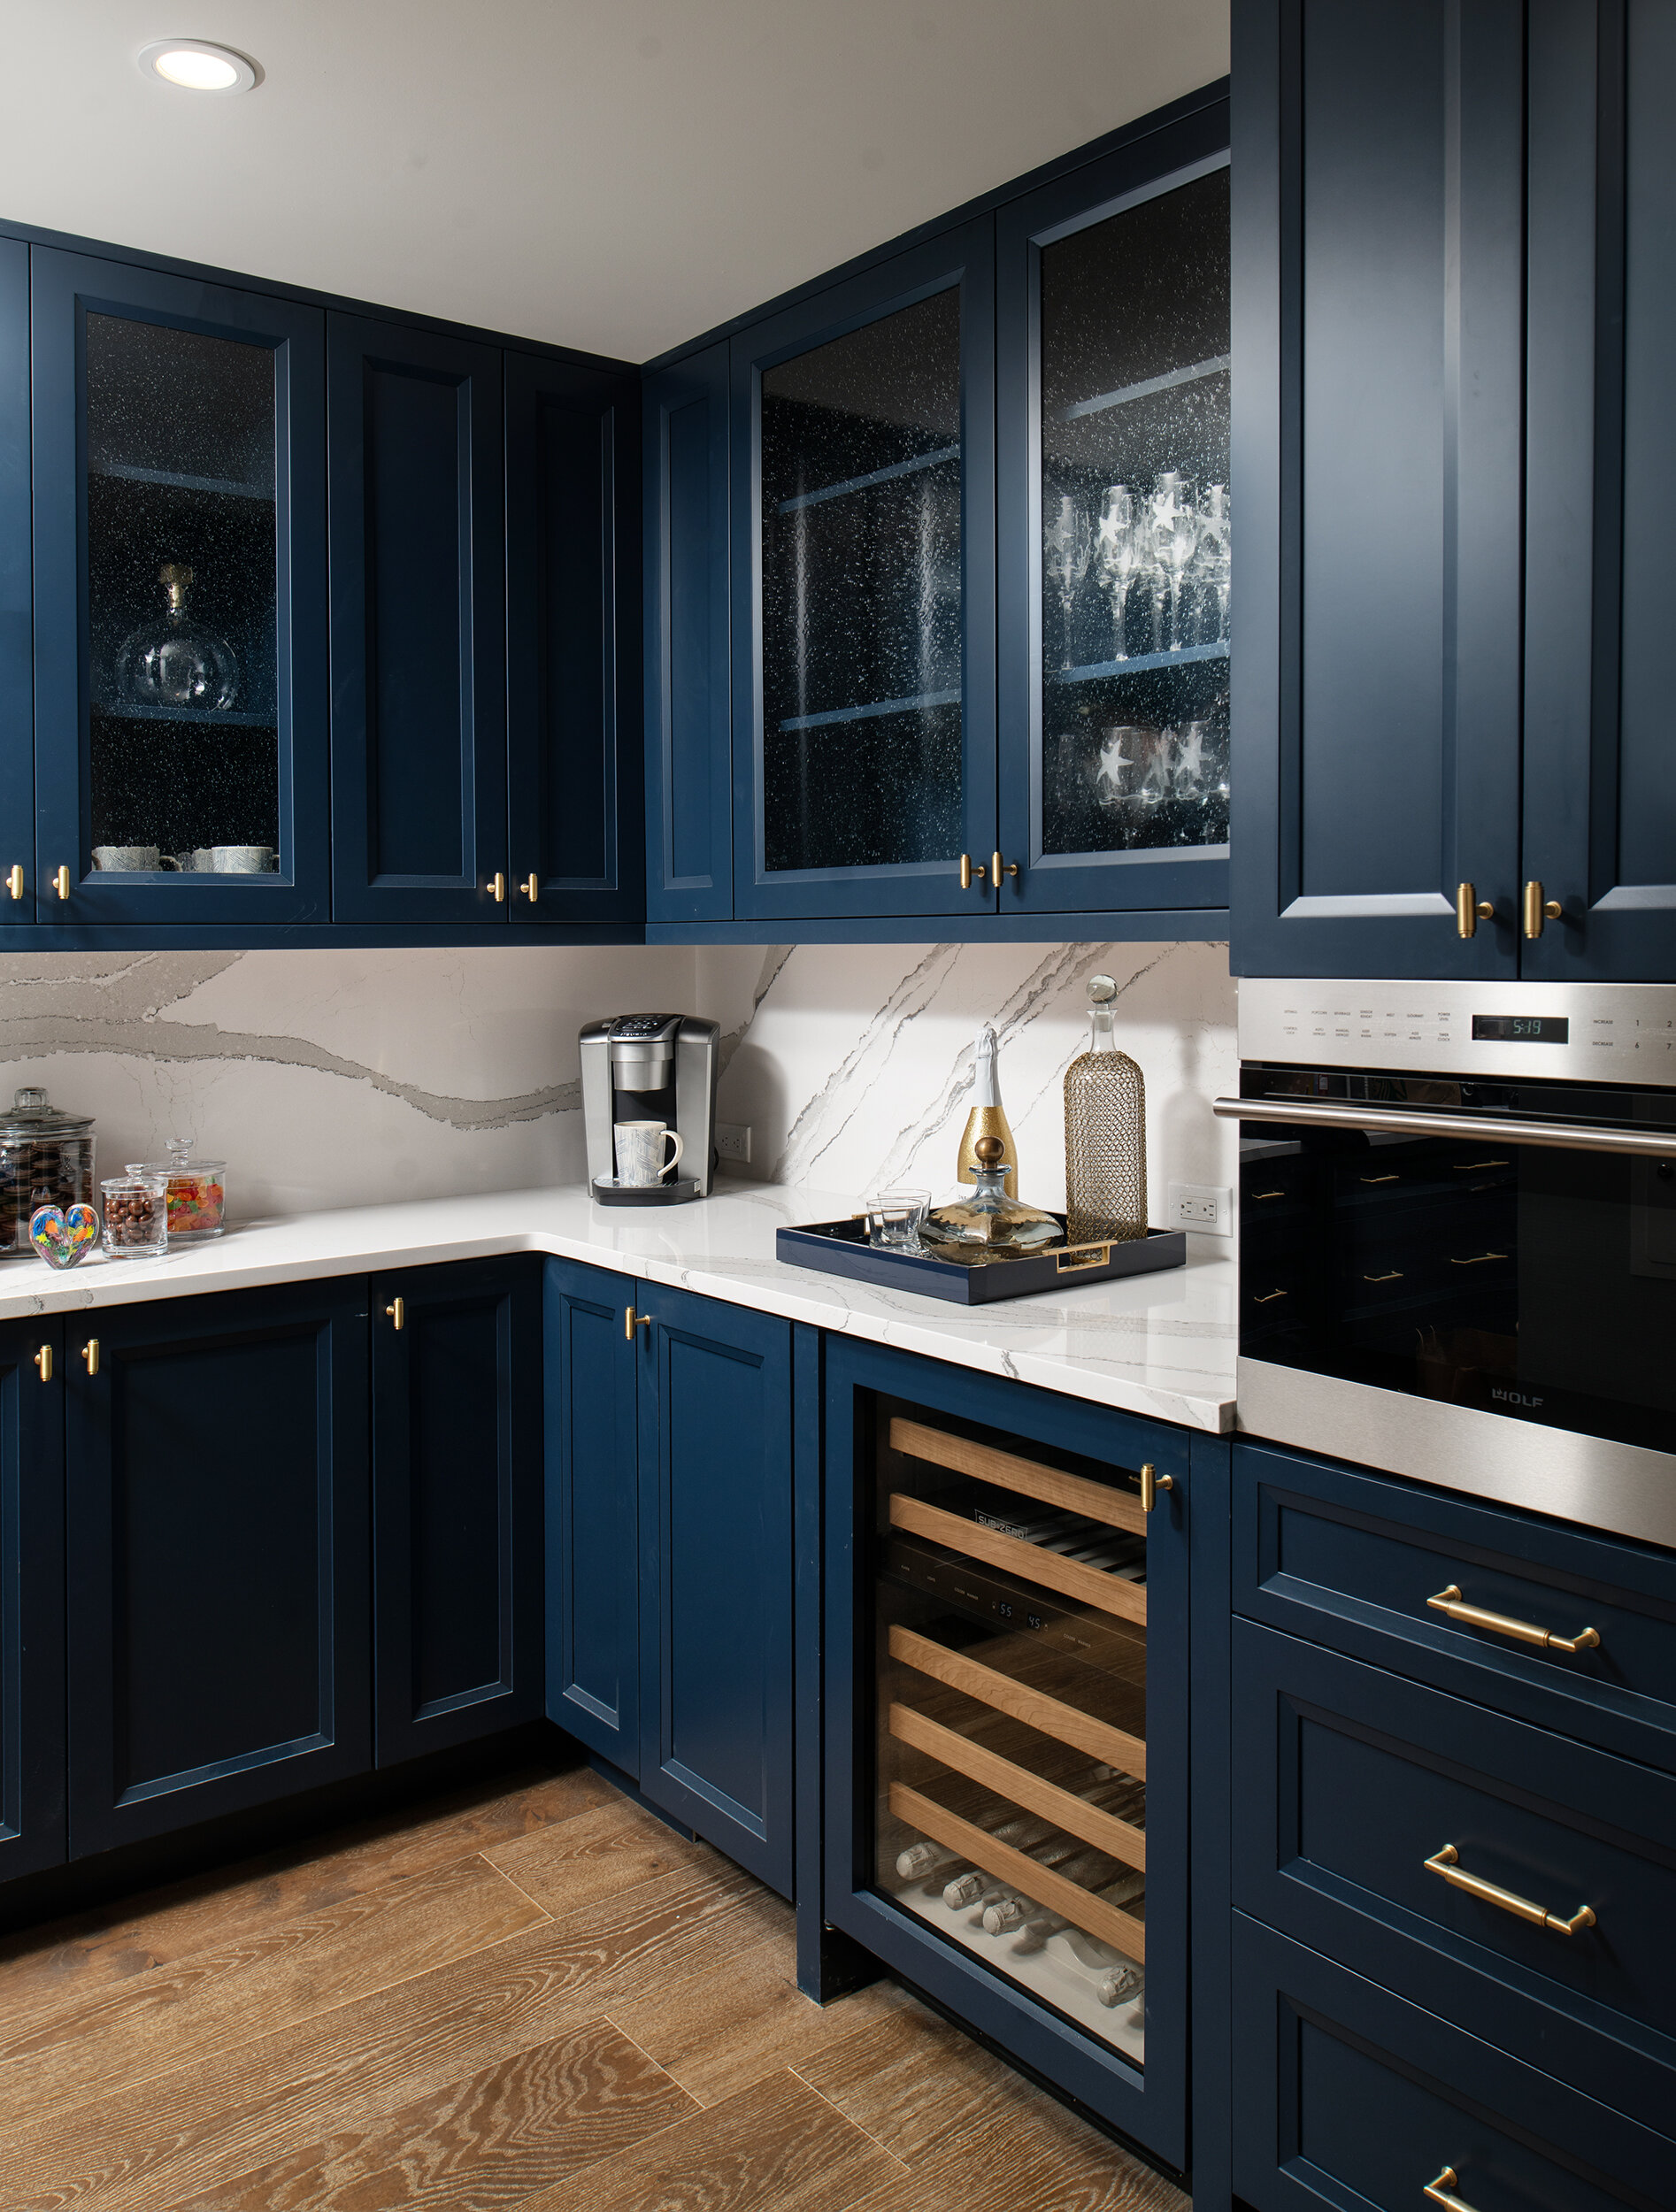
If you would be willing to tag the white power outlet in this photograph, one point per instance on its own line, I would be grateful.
(733, 1141)
(1201, 1206)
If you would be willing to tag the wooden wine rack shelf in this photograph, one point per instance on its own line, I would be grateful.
(1117, 1509)
(1050, 1715)
(1093, 1915)
(1019, 1786)
(1032, 1562)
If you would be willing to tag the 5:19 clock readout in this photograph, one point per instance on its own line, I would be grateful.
(1524, 1029)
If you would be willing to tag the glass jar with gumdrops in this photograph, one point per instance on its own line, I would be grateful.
(197, 1192)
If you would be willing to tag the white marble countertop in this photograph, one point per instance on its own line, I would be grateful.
(1161, 1344)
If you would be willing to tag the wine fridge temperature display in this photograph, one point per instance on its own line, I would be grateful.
(1011, 1724)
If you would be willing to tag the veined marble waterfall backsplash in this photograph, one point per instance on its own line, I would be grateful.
(338, 1078)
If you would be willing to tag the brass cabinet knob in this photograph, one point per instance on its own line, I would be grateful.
(633, 1321)
(1539, 911)
(14, 881)
(1151, 1483)
(61, 883)
(998, 870)
(531, 886)
(1469, 909)
(44, 1361)
(398, 1312)
(497, 884)
(90, 1355)
(971, 872)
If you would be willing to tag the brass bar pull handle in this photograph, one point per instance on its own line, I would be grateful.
(1381, 1178)
(1395, 1276)
(398, 1312)
(1447, 1863)
(531, 886)
(61, 883)
(90, 1355)
(1469, 909)
(497, 884)
(1266, 1193)
(633, 1321)
(1451, 1603)
(1538, 910)
(1011, 868)
(1268, 1298)
(1442, 2192)
(1151, 1483)
(971, 872)
(1477, 1260)
(44, 1361)
(14, 881)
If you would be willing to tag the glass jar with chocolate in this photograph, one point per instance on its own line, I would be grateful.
(136, 1217)
(46, 1159)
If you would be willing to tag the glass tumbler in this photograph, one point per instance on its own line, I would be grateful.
(893, 1219)
(136, 1217)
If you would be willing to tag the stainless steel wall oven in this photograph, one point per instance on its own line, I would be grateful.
(1458, 1237)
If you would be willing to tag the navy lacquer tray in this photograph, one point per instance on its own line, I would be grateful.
(840, 1247)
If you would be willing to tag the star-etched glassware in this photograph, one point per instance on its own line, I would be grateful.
(1067, 548)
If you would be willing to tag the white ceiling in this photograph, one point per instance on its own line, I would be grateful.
(613, 174)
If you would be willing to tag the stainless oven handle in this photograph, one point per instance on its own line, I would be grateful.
(1565, 1136)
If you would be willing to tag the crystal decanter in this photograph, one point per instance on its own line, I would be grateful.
(177, 663)
(989, 1225)
(1105, 1133)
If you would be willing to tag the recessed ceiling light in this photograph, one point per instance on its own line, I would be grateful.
(196, 67)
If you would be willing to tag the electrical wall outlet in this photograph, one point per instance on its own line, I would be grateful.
(1203, 1207)
(733, 1141)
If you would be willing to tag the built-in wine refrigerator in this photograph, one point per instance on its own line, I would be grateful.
(1010, 1816)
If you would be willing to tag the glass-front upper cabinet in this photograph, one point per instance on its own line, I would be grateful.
(1115, 526)
(180, 700)
(863, 744)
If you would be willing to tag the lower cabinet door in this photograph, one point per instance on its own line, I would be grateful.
(32, 1824)
(1346, 2095)
(715, 1517)
(457, 1413)
(218, 1594)
(593, 1544)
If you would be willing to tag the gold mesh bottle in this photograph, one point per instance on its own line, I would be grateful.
(1105, 1135)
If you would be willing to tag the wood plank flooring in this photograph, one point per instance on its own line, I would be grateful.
(532, 1998)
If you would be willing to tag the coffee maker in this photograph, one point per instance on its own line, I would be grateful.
(650, 1067)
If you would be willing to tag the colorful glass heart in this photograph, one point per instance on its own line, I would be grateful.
(60, 1238)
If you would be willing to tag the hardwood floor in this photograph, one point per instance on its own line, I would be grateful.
(532, 1999)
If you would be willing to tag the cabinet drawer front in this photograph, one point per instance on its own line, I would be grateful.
(1347, 2096)
(1372, 1802)
(1353, 1560)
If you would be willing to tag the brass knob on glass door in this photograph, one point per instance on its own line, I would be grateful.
(1469, 909)
(14, 881)
(1539, 911)
(497, 884)
(971, 872)
(61, 883)
(998, 870)
(531, 886)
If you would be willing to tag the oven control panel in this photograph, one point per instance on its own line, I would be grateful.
(1596, 1033)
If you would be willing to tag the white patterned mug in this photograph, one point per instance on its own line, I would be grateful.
(640, 1152)
(240, 860)
(131, 860)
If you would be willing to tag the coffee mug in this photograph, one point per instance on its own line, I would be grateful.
(131, 859)
(639, 1148)
(242, 860)
(196, 863)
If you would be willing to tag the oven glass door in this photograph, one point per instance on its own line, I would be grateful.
(1502, 1272)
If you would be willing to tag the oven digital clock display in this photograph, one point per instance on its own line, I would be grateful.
(1522, 1029)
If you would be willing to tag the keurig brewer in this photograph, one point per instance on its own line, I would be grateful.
(650, 1068)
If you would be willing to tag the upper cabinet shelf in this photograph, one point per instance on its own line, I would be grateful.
(890, 474)
(1146, 388)
(181, 480)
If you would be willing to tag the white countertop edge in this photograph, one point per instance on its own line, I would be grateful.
(434, 1232)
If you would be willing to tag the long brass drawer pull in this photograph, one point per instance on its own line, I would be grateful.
(1268, 1298)
(1266, 1193)
(1381, 1178)
(1450, 1601)
(1395, 1276)
(1442, 2192)
(1478, 1259)
(1447, 1863)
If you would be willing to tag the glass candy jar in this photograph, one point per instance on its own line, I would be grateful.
(135, 1211)
(177, 663)
(197, 1192)
(46, 1159)
(989, 1224)
(1105, 1135)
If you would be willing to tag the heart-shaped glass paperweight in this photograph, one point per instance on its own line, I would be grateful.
(61, 1238)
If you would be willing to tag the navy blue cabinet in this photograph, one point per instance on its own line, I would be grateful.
(32, 1794)
(592, 1522)
(16, 597)
(218, 1585)
(419, 655)
(863, 456)
(179, 602)
(715, 1568)
(689, 793)
(456, 1503)
(575, 756)
(1378, 263)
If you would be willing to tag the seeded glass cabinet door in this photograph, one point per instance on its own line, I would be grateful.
(180, 601)
(1600, 770)
(17, 673)
(419, 639)
(864, 677)
(1113, 381)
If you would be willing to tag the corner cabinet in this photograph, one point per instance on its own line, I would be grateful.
(1452, 301)
(669, 1518)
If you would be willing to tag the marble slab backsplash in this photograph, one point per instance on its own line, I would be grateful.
(331, 1078)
